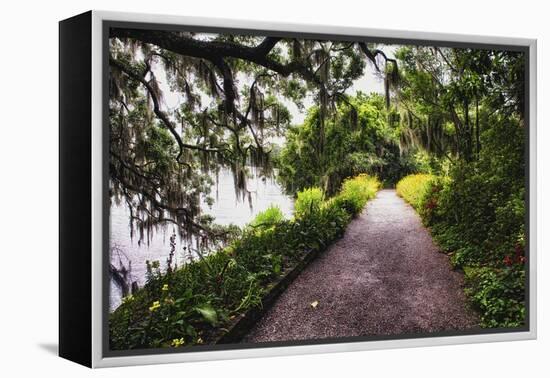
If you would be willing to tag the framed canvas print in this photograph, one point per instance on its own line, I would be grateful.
(234, 189)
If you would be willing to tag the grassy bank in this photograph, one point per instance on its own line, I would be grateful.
(480, 222)
(196, 302)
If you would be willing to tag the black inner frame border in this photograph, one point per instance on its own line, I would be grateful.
(107, 24)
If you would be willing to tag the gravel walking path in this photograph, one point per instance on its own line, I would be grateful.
(384, 277)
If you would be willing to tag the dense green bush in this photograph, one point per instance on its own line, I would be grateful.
(268, 218)
(498, 294)
(308, 200)
(477, 214)
(413, 188)
(356, 192)
(192, 304)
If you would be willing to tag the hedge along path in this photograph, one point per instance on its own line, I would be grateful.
(384, 277)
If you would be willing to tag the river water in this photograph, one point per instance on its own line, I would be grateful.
(227, 209)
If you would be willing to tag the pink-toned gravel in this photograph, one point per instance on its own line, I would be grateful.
(384, 277)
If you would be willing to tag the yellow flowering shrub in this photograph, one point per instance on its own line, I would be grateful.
(413, 187)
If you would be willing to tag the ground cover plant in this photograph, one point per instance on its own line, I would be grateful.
(194, 303)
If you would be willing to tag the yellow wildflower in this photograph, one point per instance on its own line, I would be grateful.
(165, 287)
(154, 306)
(178, 342)
(200, 340)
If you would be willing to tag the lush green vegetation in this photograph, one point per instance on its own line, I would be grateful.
(307, 200)
(448, 130)
(414, 187)
(193, 304)
(477, 213)
(234, 94)
(361, 137)
(466, 108)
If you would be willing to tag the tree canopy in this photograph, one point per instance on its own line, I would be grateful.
(362, 136)
(447, 94)
(234, 93)
(233, 90)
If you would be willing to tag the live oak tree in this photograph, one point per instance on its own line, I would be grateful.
(233, 91)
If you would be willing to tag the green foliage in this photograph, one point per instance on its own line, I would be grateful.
(459, 120)
(477, 214)
(269, 217)
(359, 139)
(208, 313)
(499, 295)
(308, 201)
(193, 304)
(447, 94)
(233, 104)
(356, 192)
(413, 188)
(481, 209)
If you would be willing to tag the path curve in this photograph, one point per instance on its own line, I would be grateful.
(384, 277)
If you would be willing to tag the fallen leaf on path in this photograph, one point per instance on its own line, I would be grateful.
(314, 304)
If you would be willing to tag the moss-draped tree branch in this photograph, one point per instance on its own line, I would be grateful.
(210, 67)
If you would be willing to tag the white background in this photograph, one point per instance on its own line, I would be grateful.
(29, 189)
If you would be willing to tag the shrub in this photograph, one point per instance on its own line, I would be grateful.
(412, 188)
(193, 304)
(269, 217)
(480, 222)
(307, 201)
(434, 194)
(356, 192)
(477, 214)
(498, 293)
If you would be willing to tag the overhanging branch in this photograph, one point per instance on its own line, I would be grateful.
(158, 112)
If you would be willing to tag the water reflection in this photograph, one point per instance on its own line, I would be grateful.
(227, 209)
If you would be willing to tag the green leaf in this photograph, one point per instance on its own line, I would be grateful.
(208, 313)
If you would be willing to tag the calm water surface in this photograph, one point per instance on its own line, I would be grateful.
(227, 209)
